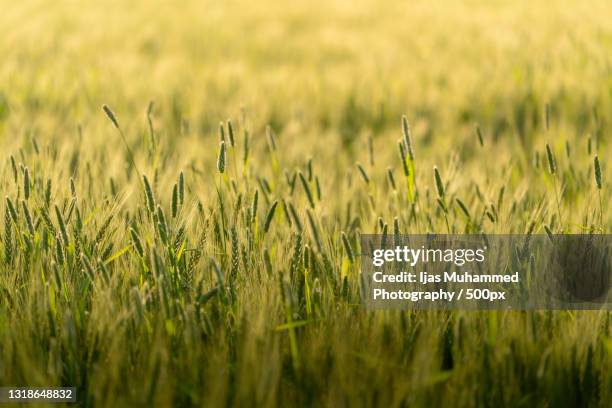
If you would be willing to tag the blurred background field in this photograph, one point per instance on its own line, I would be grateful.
(342, 65)
(332, 80)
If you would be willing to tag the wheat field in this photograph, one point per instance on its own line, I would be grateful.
(196, 242)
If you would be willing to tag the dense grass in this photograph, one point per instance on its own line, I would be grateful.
(134, 269)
